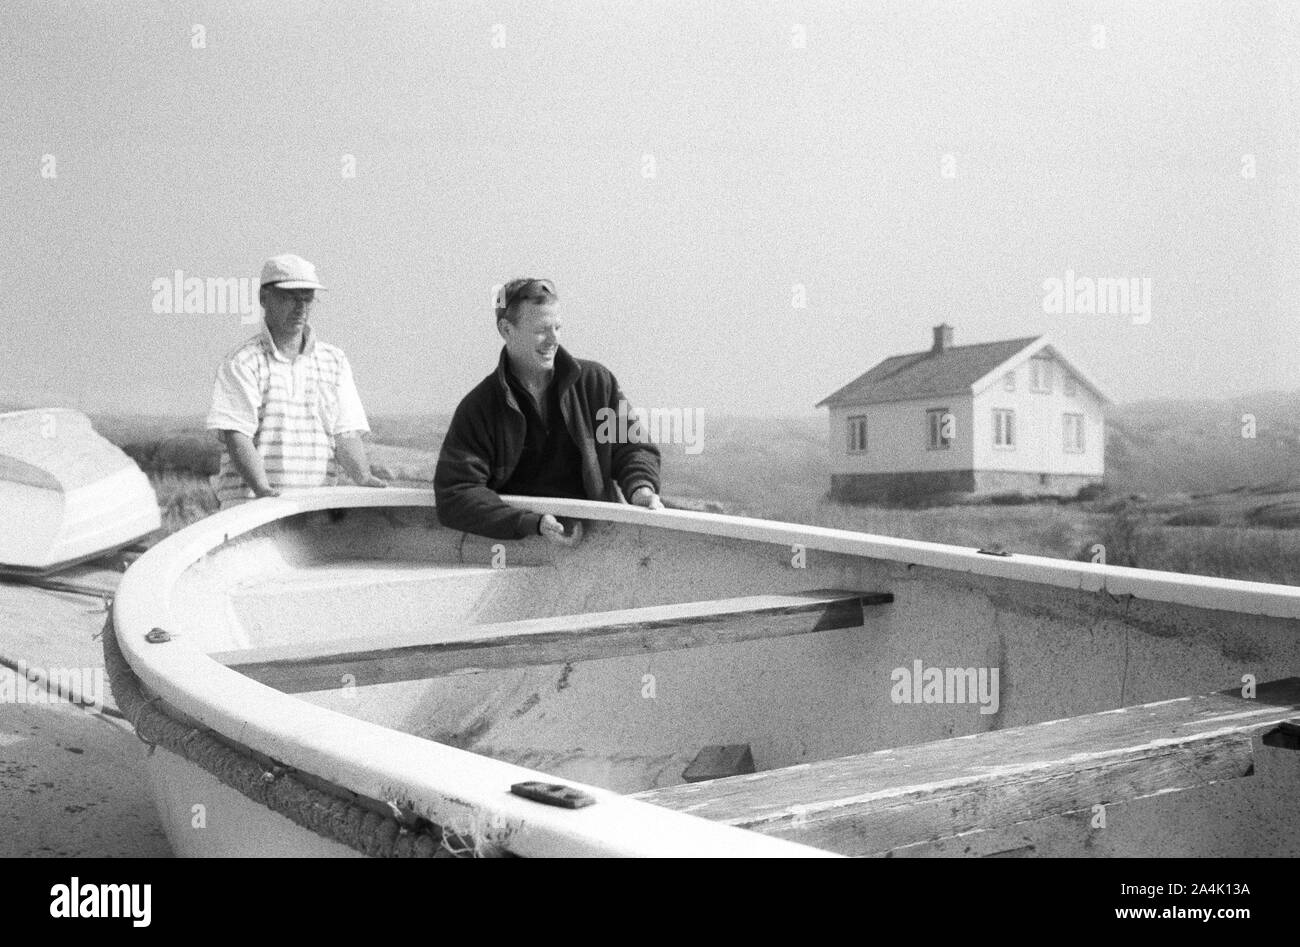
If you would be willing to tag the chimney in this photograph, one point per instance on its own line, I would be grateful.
(942, 339)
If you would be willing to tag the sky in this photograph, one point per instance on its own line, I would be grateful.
(743, 205)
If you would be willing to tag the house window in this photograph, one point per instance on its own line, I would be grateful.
(940, 428)
(1070, 385)
(1004, 428)
(1040, 374)
(1009, 381)
(1073, 428)
(858, 434)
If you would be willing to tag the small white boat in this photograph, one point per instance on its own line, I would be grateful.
(66, 494)
(334, 673)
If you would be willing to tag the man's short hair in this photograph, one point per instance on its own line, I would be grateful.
(527, 290)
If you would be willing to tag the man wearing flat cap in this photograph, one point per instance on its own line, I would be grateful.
(284, 404)
(530, 428)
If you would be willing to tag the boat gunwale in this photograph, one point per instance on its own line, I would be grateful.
(380, 763)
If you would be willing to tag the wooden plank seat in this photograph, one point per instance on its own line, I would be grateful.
(876, 803)
(313, 666)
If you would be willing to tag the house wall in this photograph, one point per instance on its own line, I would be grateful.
(897, 438)
(1040, 435)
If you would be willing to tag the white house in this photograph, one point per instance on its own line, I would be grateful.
(994, 417)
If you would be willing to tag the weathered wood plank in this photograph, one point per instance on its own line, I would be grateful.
(322, 666)
(874, 803)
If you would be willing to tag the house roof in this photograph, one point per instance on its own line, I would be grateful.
(926, 374)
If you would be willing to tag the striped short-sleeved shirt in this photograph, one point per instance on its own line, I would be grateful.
(292, 408)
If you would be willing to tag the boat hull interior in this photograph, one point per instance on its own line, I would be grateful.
(636, 721)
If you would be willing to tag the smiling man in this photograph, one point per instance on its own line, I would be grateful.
(284, 404)
(529, 429)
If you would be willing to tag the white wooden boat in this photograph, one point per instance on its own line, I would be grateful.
(334, 673)
(66, 494)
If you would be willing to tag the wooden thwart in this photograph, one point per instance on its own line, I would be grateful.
(879, 802)
(327, 665)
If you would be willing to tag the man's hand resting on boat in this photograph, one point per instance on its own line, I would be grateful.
(645, 496)
(351, 453)
(553, 531)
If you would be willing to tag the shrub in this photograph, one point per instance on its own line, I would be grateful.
(1284, 515)
(198, 455)
(1128, 540)
(1197, 516)
(1011, 498)
(141, 453)
(182, 499)
(192, 454)
(1090, 491)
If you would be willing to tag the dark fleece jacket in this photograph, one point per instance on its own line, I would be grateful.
(486, 439)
